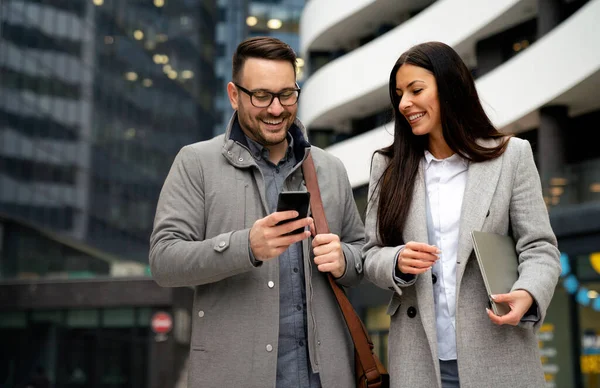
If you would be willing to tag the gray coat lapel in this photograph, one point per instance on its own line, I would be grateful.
(482, 179)
(416, 230)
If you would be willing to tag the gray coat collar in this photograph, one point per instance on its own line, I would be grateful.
(236, 150)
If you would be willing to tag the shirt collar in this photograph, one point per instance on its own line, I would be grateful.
(454, 159)
(259, 152)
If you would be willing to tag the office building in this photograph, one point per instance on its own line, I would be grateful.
(240, 19)
(96, 98)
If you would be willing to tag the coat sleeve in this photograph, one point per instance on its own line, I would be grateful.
(539, 257)
(179, 253)
(379, 259)
(353, 232)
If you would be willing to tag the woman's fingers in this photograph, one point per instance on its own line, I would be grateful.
(417, 257)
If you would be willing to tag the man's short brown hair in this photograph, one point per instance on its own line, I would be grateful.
(261, 47)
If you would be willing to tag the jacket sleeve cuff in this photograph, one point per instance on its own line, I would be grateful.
(533, 314)
(353, 269)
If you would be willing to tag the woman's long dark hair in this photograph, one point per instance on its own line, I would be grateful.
(463, 122)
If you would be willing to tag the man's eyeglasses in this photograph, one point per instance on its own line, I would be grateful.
(264, 99)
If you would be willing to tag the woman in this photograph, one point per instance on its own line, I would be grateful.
(447, 173)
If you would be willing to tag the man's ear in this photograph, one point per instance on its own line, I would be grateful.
(233, 94)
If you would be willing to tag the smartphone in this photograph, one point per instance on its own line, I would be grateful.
(294, 200)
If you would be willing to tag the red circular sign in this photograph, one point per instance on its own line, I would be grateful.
(162, 323)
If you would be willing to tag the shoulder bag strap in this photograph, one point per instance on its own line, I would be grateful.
(362, 342)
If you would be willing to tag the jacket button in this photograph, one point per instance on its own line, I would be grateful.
(411, 312)
(271, 284)
(269, 348)
(200, 313)
(433, 278)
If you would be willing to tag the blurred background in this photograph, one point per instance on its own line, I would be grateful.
(97, 97)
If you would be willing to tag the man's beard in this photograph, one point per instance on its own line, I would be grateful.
(259, 136)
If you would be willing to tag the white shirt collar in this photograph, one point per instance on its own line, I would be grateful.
(454, 159)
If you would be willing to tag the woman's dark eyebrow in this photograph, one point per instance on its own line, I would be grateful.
(411, 84)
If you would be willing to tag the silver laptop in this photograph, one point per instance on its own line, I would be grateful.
(498, 261)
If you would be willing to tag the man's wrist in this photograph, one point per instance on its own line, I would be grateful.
(255, 262)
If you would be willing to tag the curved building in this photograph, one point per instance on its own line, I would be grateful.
(537, 70)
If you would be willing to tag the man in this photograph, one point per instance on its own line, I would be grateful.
(264, 313)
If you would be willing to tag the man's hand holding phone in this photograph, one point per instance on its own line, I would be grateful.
(272, 235)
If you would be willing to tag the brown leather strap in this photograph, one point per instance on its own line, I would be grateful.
(362, 342)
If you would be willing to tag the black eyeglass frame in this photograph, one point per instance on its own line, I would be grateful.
(273, 95)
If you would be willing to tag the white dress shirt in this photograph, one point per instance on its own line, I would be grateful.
(445, 181)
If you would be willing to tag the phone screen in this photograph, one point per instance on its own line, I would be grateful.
(294, 200)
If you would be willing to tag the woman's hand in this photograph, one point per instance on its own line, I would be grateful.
(417, 257)
(519, 302)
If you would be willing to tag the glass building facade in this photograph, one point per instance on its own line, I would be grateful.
(107, 346)
(240, 19)
(97, 98)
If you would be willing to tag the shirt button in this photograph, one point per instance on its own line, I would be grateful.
(296, 270)
(301, 343)
(298, 307)
(269, 348)
(241, 159)
(271, 284)
(277, 170)
(200, 313)
(222, 244)
(434, 278)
